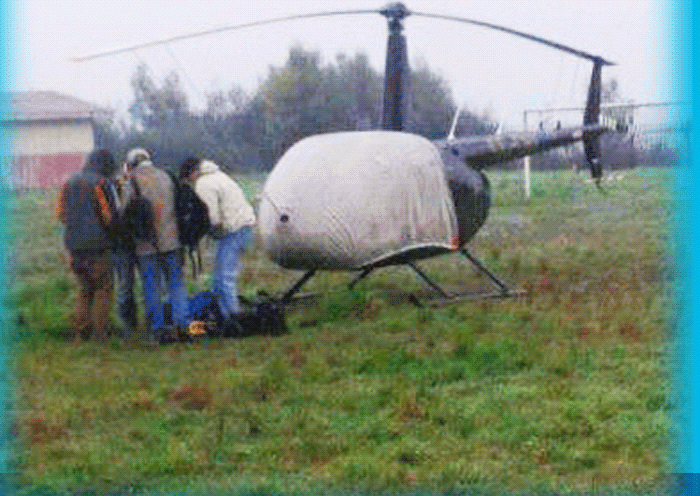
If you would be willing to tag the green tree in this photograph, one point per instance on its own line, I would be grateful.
(432, 107)
(303, 98)
(292, 101)
(353, 94)
(161, 120)
(154, 105)
(232, 135)
(299, 99)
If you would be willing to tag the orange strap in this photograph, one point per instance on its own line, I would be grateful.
(103, 208)
(61, 205)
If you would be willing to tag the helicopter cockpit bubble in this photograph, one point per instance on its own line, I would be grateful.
(355, 199)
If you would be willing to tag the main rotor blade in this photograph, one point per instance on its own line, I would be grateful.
(219, 30)
(528, 36)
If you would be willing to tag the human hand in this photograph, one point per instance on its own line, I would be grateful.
(217, 231)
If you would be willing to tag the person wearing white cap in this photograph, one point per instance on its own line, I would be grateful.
(232, 219)
(160, 259)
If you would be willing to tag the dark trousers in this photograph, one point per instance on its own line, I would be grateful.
(124, 263)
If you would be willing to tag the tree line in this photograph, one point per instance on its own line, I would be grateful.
(244, 132)
(249, 132)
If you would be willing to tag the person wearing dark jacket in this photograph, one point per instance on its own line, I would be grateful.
(123, 258)
(84, 209)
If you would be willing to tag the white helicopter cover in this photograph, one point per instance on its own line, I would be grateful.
(356, 199)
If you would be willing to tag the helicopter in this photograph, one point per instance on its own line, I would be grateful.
(357, 201)
(362, 200)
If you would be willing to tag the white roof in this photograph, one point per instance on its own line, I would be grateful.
(46, 106)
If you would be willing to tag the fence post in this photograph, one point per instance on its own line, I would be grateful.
(526, 162)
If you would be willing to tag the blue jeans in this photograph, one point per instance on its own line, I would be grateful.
(124, 263)
(229, 251)
(157, 269)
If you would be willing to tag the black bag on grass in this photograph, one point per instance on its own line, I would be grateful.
(261, 318)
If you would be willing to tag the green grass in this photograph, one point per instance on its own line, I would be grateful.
(567, 389)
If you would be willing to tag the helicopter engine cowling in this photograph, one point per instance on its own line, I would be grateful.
(471, 193)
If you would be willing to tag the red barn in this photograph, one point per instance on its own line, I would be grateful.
(50, 135)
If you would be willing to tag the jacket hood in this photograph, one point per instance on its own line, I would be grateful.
(135, 156)
(207, 167)
(101, 162)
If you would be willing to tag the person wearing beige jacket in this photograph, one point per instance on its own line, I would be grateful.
(232, 219)
(159, 258)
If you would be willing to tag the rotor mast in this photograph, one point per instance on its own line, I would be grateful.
(395, 103)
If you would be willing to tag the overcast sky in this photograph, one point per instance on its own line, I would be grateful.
(488, 70)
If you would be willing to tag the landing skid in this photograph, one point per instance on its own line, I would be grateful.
(503, 290)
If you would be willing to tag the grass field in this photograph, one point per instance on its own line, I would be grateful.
(568, 389)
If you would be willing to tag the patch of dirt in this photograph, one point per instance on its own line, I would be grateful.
(191, 397)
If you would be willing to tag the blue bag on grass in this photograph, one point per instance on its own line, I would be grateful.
(202, 306)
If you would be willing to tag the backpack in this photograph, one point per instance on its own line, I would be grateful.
(139, 217)
(192, 216)
(119, 230)
(262, 317)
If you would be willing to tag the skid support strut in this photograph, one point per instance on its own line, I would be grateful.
(505, 290)
(422, 275)
(362, 275)
(294, 289)
(427, 281)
